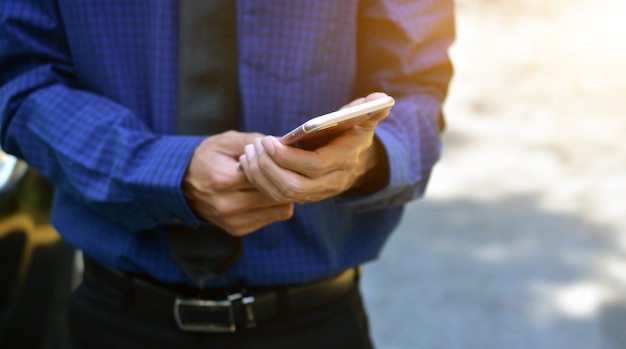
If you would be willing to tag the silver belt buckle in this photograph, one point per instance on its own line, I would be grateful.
(219, 315)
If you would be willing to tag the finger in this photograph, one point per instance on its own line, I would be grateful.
(232, 143)
(222, 206)
(372, 121)
(243, 201)
(285, 185)
(374, 95)
(354, 102)
(252, 221)
(378, 116)
(242, 165)
(338, 154)
(309, 163)
(289, 185)
(263, 172)
(234, 178)
(370, 97)
(281, 182)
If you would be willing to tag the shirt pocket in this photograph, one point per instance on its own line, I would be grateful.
(289, 39)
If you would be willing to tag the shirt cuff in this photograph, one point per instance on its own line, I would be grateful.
(160, 177)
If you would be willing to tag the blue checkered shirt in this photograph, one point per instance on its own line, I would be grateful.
(88, 98)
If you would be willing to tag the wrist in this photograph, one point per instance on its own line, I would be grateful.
(376, 174)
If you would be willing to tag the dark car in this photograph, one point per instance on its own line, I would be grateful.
(36, 265)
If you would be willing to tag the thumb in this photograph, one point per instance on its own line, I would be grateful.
(372, 121)
(233, 142)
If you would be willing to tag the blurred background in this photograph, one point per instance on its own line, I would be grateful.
(520, 241)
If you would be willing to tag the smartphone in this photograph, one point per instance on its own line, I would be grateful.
(337, 121)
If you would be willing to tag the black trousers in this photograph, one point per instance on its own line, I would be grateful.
(103, 317)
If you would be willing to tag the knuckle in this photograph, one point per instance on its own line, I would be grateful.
(291, 191)
(280, 196)
(348, 161)
(224, 208)
(217, 182)
(314, 168)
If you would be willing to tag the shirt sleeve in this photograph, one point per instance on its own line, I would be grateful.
(88, 146)
(403, 51)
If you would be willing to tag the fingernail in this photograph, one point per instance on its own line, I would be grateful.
(258, 146)
(250, 151)
(268, 145)
(243, 163)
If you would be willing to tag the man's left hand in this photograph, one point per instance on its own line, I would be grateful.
(353, 162)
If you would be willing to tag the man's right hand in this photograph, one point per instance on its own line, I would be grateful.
(223, 196)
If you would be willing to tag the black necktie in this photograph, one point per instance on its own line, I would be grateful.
(207, 104)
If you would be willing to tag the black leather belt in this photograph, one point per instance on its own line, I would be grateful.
(228, 309)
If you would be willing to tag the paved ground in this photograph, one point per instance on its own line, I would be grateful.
(521, 241)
